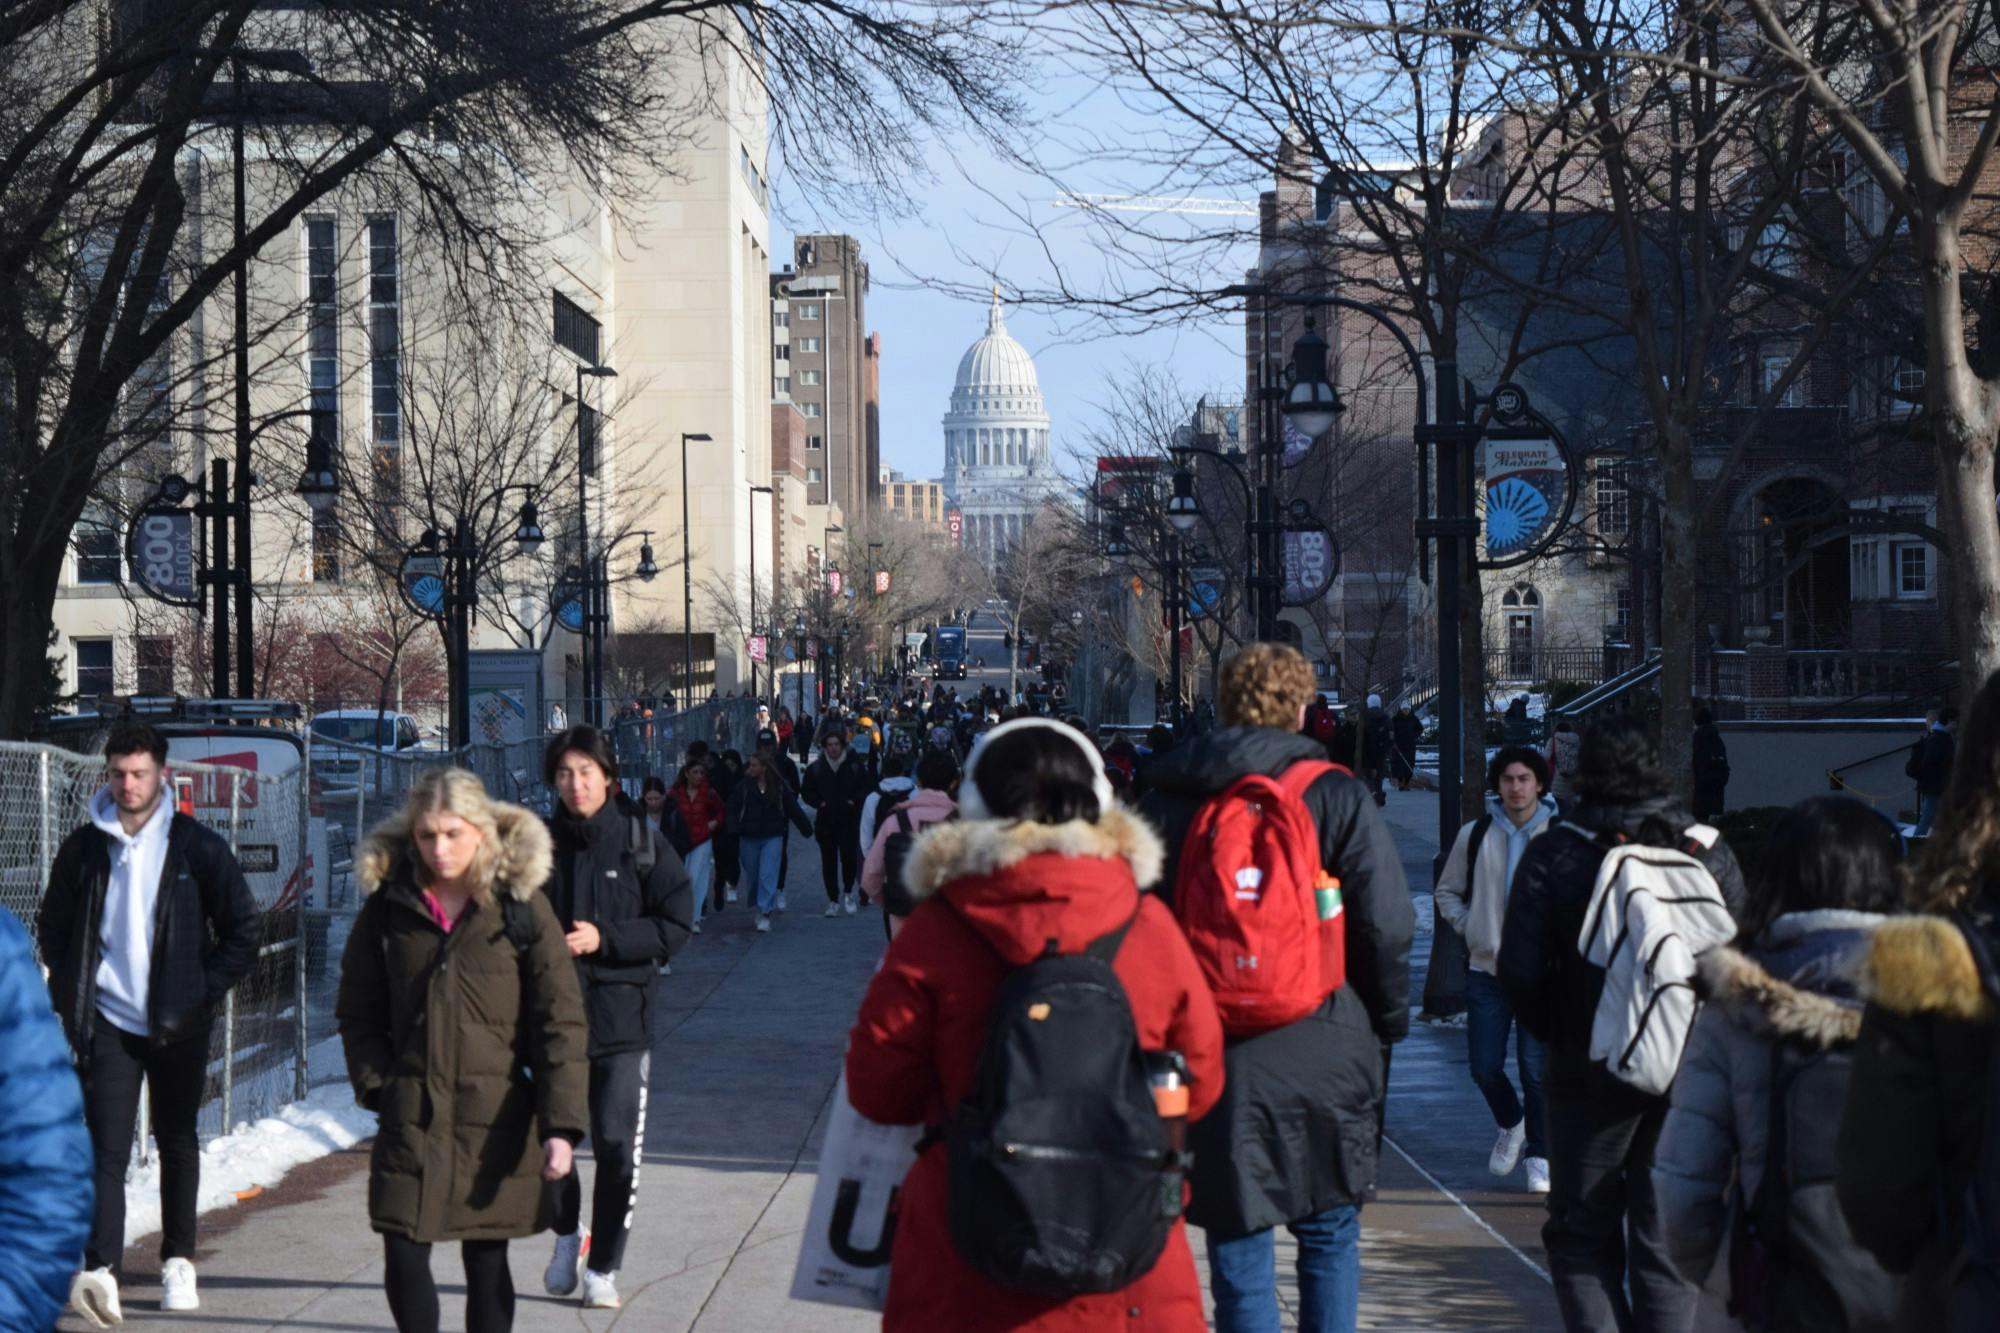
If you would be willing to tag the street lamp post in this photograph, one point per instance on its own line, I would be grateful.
(687, 579)
(590, 665)
(799, 633)
(756, 491)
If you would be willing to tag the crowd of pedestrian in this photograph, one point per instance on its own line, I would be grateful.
(1128, 985)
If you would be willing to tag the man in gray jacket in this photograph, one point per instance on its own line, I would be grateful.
(1472, 900)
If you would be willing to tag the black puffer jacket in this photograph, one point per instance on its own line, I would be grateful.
(836, 792)
(204, 932)
(1911, 1132)
(1553, 991)
(642, 921)
(1294, 1133)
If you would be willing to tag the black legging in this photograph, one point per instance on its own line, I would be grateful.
(413, 1294)
(840, 862)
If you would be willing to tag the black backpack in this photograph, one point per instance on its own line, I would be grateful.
(1062, 1180)
(1794, 1265)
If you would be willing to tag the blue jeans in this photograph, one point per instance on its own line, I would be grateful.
(760, 869)
(1243, 1275)
(1927, 808)
(1488, 1019)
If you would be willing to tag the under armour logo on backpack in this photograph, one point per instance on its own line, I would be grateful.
(1248, 881)
(1246, 962)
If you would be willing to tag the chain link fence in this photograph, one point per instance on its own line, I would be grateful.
(294, 828)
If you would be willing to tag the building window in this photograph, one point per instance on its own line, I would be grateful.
(810, 409)
(1912, 563)
(782, 351)
(155, 660)
(1622, 608)
(808, 378)
(576, 330)
(1614, 502)
(812, 476)
(98, 559)
(323, 332)
(1907, 384)
(384, 329)
(809, 311)
(326, 546)
(1864, 571)
(1775, 366)
(781, 319)
(808, 344)
(784, 384)
(815, 441)
(93, 667)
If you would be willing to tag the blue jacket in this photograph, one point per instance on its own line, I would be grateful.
(45, 1159)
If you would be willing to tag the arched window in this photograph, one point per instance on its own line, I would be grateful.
(1518, 609)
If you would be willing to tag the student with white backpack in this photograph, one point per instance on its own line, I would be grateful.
(1612, 1046)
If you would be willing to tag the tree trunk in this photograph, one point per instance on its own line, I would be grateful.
(1472, 691)
(1680, 525)
(28, 598)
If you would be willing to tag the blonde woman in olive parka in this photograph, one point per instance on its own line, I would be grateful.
(465, 1032)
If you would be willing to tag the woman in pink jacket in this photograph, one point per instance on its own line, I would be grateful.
(931, 803)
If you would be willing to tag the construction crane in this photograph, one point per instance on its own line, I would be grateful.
(1186, 205)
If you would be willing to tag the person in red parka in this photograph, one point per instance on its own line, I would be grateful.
(1043, 852)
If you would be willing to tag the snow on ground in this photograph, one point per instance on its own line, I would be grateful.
(255, 1155)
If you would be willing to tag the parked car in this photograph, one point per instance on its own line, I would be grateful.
(343, 741)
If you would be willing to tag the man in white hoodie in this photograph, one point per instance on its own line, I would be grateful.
(146, 923)
(1472, 900)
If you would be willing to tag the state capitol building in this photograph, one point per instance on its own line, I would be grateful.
(997, 469)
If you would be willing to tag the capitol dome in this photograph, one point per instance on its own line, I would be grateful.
(998, 471)
(995, 367)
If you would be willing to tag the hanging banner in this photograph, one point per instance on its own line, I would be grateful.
(159, 548)
(1298, 444)
(954, 523)
(567, 599)
(1312, 562)
(833, 581)
(1527, 482)
(758, 649)
(1204, 591)
(881, 581)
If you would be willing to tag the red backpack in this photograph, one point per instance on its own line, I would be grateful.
(1263, 918)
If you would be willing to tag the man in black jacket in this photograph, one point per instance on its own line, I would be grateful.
(147, 922)
(836, 785)
(1930, 764)
(626, 905)
(1603, 1230)
(1293, 1139)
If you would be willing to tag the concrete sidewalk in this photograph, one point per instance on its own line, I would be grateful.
(751, 1031)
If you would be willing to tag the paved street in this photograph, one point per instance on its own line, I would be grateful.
(751, 1031)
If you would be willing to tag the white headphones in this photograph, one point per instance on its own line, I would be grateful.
(972, 802)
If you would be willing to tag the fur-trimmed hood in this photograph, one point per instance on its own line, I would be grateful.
(1925, 965)
(1803, 982)
(967, 848)
(1020, 886)
(526, 853)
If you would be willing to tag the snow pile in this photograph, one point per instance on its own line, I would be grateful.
(255, 1156)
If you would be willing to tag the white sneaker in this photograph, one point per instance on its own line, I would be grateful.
(94, 1296)
(697, 927)
(600, 1290)
(729, 895)
(1507, 1149)
(571, 1250)
(1538, 1175)
(177, 1290)
(780, 905)
(666, 969)
(833, 909)
(847, 903)
(763, 924)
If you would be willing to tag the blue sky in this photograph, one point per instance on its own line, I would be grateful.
(981, 215)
